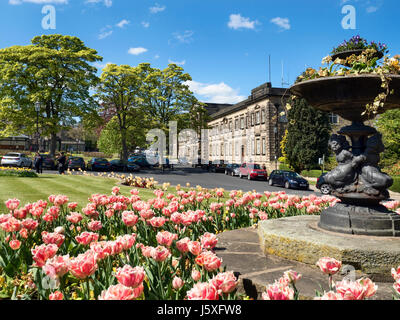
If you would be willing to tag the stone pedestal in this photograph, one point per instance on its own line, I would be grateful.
(300, 239)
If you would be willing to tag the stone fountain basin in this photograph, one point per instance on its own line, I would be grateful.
(347, 96)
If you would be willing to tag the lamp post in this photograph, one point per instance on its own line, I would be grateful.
(37, 109)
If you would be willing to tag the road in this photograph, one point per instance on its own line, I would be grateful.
(209, 180)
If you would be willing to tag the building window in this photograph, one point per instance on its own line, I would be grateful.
(333, 118)
(258, 117)
(264, 146)
(241, 123)
(237, 124)
(263, 116)
(252, 147)
(237, 148)
(252, 119)
(222, 149)
(258, 147)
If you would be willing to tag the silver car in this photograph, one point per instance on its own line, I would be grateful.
(16, 160)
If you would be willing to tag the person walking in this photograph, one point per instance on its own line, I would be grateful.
(38, 163)
(61, 163)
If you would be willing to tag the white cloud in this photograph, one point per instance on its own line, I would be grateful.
(107, 3)
(137, 51)
(236, 21)
(123, 23)
(178, 63)
(215, 93)
(145, 24)
(17, 2)
(100, 65)
(185, 37)
(157, 8)
(282, 23)
(105, 32)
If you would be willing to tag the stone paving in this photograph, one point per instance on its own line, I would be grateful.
(242, 254)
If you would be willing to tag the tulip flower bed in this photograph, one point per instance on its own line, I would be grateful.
(125, 248)
(347, 289)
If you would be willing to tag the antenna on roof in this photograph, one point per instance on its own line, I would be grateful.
(269, 67)
(283, 80)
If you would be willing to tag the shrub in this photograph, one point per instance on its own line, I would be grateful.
(396, 184)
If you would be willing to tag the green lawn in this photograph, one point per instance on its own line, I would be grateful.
(77, 188)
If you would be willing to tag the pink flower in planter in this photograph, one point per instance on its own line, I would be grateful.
(12, 204)
(157, 222)
(226, 282)
(208, 241)
(129, 276)
(42, 253)
(351, 290)
(86, 238)
(278, 291)
(208, 260)
(120, 292)
(203, 291)
(329, 266)
(166, 238)
(84, 265)
(57, 266)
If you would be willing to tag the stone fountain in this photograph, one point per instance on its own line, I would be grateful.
(359, 230)
(357, 180)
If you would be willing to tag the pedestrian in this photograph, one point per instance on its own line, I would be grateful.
(61, 163)
(38, 163)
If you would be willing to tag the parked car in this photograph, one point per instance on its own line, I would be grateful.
(220, 167)
(76, 163)
(119, 165)
(14, 159)
(288, 179)
(232, 169)
(324, 187)
(252, 171)
(48, 162)
(141, 161)
(98, 164)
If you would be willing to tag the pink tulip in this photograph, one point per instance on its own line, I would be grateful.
(120, 292)
(208, 241)
(56, 267)
(208, 260)
(53, 238)
(183, 245)
(226, 282)
(278, 291)
(160, 253)
(15, 244)
(12, 204)
(95, 225)
(86, 238)
(196, 275)
(329, 266)
(177, 283)
(74, 217)
(129, 218)
(370, 287)
(129, 276)
(330, 296)
(42, 253)
(166, 238)
(203, 291)
(84, 265)
(57, 295)
(351, 290)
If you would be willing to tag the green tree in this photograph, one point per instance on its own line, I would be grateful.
(388, 124)
(308, 135)
(55, 71)
(110, 141)
(121, 91)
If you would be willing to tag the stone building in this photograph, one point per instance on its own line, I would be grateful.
(249, 131)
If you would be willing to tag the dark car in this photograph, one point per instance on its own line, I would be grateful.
(99, 164)
(219, 167)
(252, 171)
(48, 162)
(324, 187)
(119, 165)
(141, 161)
(288, 179)
(232, 169)
(76, 163)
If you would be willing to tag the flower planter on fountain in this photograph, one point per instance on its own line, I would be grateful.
(357, 180)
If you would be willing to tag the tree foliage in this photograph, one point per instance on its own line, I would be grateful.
(54, 70)
(388, 124)
(308, 135)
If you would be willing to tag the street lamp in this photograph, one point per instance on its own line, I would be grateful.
(37, 109)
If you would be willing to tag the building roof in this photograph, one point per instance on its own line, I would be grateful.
(215, 107)
(257, 94)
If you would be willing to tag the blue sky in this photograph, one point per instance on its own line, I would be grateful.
(223, 44)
